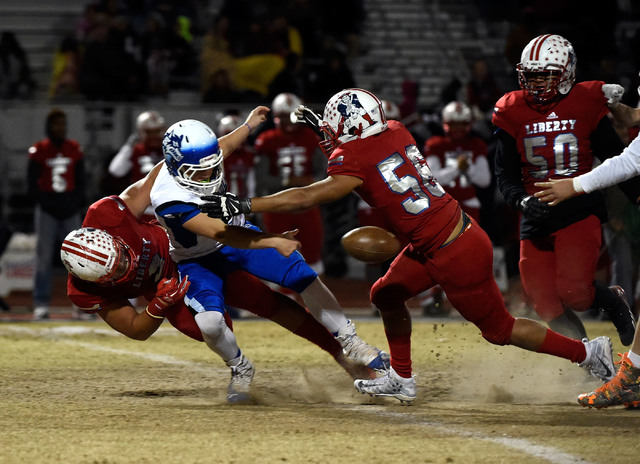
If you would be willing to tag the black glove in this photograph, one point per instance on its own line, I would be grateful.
(225, 206)
(533, 208)
(307, 116)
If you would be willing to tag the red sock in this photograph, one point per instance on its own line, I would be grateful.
(316, 333)
(563, 347)
(400, 350)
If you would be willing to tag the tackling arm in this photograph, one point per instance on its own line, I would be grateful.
(137, 196)
(241, 237)
(298, 199)
(121, 316)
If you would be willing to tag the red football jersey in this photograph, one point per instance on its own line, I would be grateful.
(57, 164)
(290, 153)
(399, 184)
(149, 243)
(143, 160)
(238, 172)
(448, 151)
(556, 142)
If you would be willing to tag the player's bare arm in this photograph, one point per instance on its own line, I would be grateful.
(137, 196)
(241, 237)
(556, 190)
(625, 115)
(121, 316)
(297, 199)
(233, 140)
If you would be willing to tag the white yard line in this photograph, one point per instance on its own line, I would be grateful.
(549, 453)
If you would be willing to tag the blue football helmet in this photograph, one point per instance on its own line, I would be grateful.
(193, 156)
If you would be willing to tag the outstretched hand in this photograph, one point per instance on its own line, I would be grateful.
(555, 191)
(257, 116)
(286, 243)
(306, 116)
(225, 206)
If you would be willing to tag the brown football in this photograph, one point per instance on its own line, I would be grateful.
(371, 244)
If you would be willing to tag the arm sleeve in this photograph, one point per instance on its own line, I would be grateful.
(121, 163)
(479, 173)
(507, 168)
(613, 170)
(445, 175)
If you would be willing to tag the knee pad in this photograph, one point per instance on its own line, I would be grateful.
(387, 297)
(211, 323)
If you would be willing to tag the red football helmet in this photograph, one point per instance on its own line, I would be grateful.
(547, 69)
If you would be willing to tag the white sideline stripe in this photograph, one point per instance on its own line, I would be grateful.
(549, 453)
(71, 330)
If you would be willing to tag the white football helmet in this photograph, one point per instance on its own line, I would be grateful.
(96, 256)
(547, 69)
(391, 110)
(456, 119)
(193, 156)
(349, 115)
(228, 124)
(150, 120)
(283, 108)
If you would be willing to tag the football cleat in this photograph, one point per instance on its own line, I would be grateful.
(360, 352)
(241, 377)
(599, 360)
(621, 316)
(390, 384)
(623, 389)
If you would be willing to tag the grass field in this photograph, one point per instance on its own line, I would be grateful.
(76, 392)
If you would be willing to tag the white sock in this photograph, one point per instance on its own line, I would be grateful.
(634, 358)
(322, 304)
(217, 335)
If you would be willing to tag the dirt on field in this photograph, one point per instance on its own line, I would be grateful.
(80, 393)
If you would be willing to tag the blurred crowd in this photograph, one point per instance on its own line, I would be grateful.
(254, 51)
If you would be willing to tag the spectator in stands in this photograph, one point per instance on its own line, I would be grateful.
(333, 76)
(108, 71)
(56, 180)
(66, 66)
(15, 74)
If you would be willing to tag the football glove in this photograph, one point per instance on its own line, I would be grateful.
(306, 116)
(613, 93)
(225, 206)
(533, 208)
(168, 293)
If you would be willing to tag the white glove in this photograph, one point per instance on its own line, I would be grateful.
(613, 93)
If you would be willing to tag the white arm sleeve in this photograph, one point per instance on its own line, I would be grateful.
(121, 163)
(445, 175)
(613, 170)
(479, 173)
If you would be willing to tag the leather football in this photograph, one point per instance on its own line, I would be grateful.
(371, 244)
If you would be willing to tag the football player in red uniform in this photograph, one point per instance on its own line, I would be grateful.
(288, 156)
(458, 159)
(56, 181)
(142, 151)
(554, 128)
(381, 162)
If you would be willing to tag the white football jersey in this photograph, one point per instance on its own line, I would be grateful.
(173, 206)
